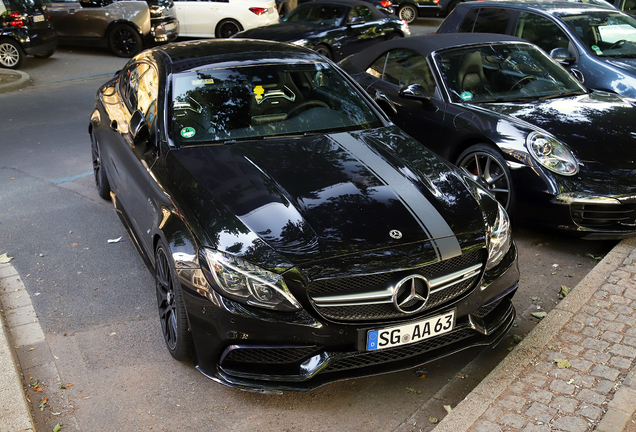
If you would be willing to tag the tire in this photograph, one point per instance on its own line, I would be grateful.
(44, 55)
(227, 28)
(451, 6)
(172, 313)
(394, 35)
(488, 168)
(11, 54)
(408, 13)
(124, 41)
(101, 180)
(323, 50)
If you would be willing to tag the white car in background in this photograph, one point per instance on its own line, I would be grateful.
(222, 19)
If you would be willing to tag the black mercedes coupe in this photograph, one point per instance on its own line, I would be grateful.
(333, 28)
(551, 151)
(297, 237)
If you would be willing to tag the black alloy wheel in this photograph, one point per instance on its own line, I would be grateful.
(172, 314)
(408, 13)
(101, 181)
(124, 41)
(11, 54)
(488, 168)
(323, 50)
(227, 28)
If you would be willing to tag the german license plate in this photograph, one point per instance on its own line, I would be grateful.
(409, 333)
(170, 26)
(38, 18)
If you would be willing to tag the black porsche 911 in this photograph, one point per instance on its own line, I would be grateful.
(333, 28)
(297, 237)
(552, 152)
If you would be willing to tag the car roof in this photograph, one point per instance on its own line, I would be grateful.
(426, 44)
(186, 56)
(549, 6)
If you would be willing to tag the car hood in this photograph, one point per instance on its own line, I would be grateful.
(584, 123)
(324, 196)
(284, 32)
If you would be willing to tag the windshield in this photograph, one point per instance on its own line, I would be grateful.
(503, 72)
(324, 14)
(260, 101)
(607, 34)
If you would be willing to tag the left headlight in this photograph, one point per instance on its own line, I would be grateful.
(246, 283)
(552, 154)
(499, 237)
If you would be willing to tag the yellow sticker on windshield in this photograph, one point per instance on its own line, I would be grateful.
(203, 81)
(258, 92)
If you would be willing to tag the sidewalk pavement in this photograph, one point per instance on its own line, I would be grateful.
(11, 80)
(573, 372)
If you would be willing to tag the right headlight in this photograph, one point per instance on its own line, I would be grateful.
(552, 154)
(246, 283)
(499, 237)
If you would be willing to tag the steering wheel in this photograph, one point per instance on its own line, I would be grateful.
(617, 44)
(303, 106)
(525, 80)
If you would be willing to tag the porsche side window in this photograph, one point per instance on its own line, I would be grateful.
(492, 20)
(147, 95)
(404, 67)
(541, 31)
(130, 84)
(628, 6)
(467, 24)
(362, 12)
(377, 68)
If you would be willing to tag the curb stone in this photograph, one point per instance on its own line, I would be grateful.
(526, 355)
(16, 80)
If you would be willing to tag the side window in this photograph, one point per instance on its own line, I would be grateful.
(405, 67)
(467, 24)
(147, 95)
(541, 31)
(492, 20)
(628, 6)
(361, 11)
(377, 68)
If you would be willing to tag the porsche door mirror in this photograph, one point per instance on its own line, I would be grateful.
(562, 55)
(414, 91)
(139, 131)
(385, 103)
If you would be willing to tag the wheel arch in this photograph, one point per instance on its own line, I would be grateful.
(123, 21)
(469, 142)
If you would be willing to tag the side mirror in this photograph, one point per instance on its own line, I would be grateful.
(356, 20)
(414, 91)
(139, 130)
(385, 103)
(562, 55)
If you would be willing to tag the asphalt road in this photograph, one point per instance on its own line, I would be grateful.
(95, 300)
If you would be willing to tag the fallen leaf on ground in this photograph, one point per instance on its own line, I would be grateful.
(117, 240)
(413, 390)
(565, 290)
(37, 388)
(5, 259)
(73, 244)
(432, 420)
(595, 257)
(539, 315)
(562, 363)
(62, 387)
(448, 408)
(31, 349)
(57, 428)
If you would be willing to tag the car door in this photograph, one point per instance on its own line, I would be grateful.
(137, 90)
(199, 18)
(424, 121)
(363, 28)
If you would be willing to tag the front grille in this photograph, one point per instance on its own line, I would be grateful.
(269, 355)
(485, 310)
(614, 216)
(371, 358)
(384, 309)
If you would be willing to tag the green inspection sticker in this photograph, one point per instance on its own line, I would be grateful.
(466, 96)
(596, 49)
(187, 132)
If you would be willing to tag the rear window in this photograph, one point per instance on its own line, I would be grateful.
(24, 5)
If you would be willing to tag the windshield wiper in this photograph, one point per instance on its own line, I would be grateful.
(562, 94)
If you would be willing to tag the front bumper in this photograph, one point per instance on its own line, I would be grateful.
(164, 30)
(40, 41)
(263, 351)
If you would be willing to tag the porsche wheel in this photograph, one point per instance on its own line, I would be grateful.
(488, 168)
(172, 313)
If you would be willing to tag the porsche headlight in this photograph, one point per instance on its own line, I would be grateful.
(552, 154)
(499, 237)
(246, 283)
